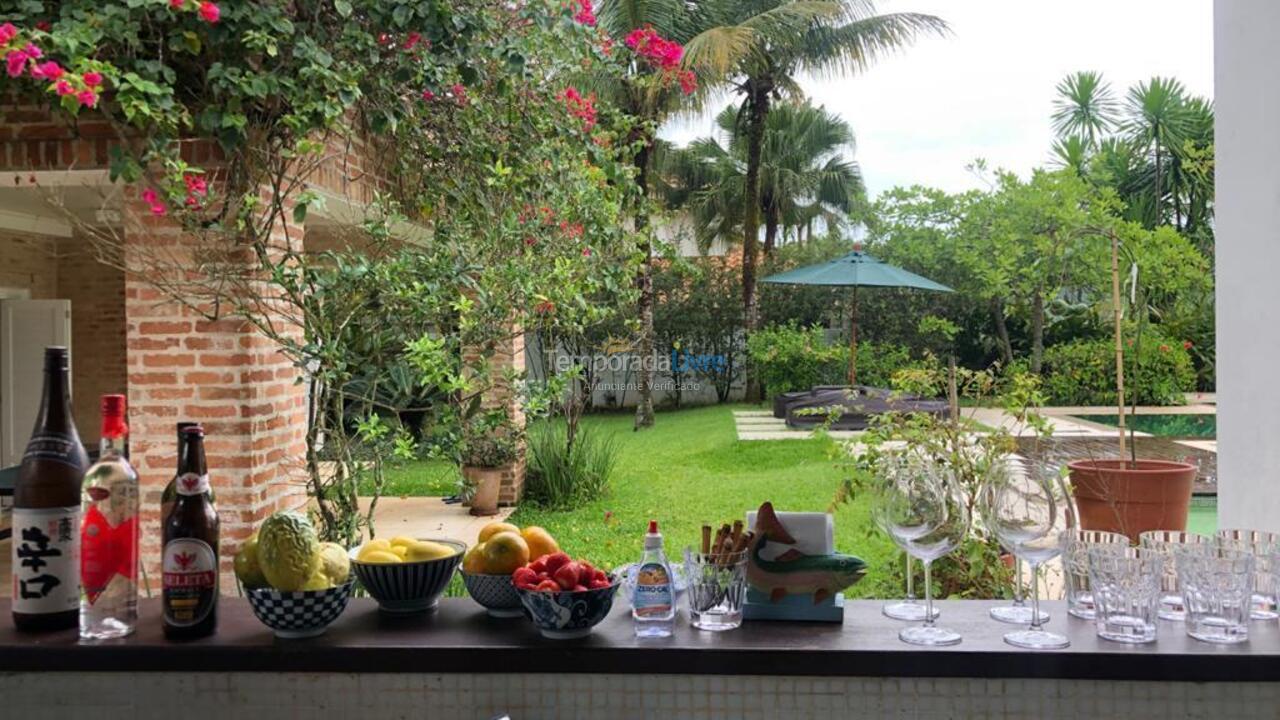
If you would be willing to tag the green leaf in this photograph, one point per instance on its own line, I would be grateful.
(300, 212)
(343, 7)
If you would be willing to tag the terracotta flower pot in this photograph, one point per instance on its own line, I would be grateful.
(487, 482)
(1115, 496)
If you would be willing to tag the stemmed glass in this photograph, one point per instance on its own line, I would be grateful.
(1016, 613)
(890, 469)
(925, 518)
(1029, 514)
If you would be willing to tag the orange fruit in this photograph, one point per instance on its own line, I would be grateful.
(540, 542)
(504, 552)
(494, 528)
(473, 561)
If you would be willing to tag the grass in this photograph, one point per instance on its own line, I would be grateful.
(422, 478)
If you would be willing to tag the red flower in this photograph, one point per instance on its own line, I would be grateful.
(428, 96)
(44, 26)
(152, 198)
(210, 12)
(177, 4)
(580, 107)
(88, 98)
(647, 43)
(50, 71)
(1164, 348)
(546, 307)
(585, 14)
(1186, 345)
(196, 184)
(15, 62)
(688, 81)
(586, 252)
(8, 31)
(92, 79)
(412, 41)
(62, 87)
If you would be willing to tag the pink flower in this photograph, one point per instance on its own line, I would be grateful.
(196, 184)
(63, 88)
(586, 252)
(580, 107)
(585, 14)
(648, 44)
(32, 51)
(15, 62)
(210, 12)
(412, 41)
(459, 94)
(7, 32)
(428, 96)
(88, 98)
(50, 71)
(152, 199)
(688, 81)
(92, 79)
(177, 4)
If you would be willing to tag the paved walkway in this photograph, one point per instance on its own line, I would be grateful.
(429, 517)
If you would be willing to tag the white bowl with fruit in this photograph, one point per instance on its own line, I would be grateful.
(295, 584)
(500, 549)
(404, 574)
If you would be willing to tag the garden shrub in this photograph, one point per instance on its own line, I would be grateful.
(561, 473)
(1083, 372)
(789, 357)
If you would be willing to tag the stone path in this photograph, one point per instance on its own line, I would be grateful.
(762, 425)
(429, 517)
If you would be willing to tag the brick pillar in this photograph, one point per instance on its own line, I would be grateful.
(508, 356)
(223, 374)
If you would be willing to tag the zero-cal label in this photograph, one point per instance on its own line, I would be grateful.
(653, 591)
(46, 560)
(190, 581)
(53, 446)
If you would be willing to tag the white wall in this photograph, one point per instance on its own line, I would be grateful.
(1247, 97)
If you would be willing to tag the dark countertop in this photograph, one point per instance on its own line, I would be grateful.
(459, 637)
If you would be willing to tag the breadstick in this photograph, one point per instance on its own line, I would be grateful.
(706, 539)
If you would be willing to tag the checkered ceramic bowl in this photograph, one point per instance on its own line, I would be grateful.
(495, 593)
(300, 614)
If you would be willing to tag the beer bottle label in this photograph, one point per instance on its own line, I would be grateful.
(46, 560)
(53, 446)
(190, 581)
(191, 484)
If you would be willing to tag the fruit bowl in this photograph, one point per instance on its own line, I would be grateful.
(299, 614)
(410, 586)
(568, 614)
(495, 593)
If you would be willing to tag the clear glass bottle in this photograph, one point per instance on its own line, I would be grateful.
(653, 605)
(109, 533)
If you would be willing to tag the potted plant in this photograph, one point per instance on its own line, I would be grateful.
(489, 447)
(1128, 494)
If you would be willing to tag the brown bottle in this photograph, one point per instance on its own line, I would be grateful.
(46, 511)
(190, 560)
(170, 493)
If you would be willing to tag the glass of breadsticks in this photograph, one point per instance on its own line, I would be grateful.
(717, 577)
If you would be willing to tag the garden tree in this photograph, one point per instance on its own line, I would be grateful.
(1085, 108)
(699, 321)
(464, 110)
(759, 50)
(805, 174)
(1156, 122)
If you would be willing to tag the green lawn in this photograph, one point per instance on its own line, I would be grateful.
(690, 469)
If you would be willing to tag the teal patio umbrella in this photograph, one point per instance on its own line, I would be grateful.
(855, 270)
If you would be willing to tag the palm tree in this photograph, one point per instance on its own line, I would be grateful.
(1085, 107)
(759, 48)
(806, 175)
(1157, 120)
(1073, 152)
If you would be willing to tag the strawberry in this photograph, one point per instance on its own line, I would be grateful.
(547, 586)
(539, 566)
(524, 577)
(555, 561)
(600, 576)
(585, 572)
(598, 584)
(579, 588)
(567, 575)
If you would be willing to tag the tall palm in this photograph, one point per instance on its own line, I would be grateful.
(759, 49)
(1156, 120)
(806, 174)
(1085, 107)
(1073, 152)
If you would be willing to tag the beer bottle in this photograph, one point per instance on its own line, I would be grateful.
(46, 511)
(170, 493)
(190, 561)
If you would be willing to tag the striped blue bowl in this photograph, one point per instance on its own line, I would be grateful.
(408, 587)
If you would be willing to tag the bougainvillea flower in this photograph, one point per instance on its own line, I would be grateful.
(412, 41)
(688, 82)
(92, 79)
(177, 4)
(88, 98)
(50, 71)
(64, 88)
(32, 51)
(428, 96)
(196, 184)
(585, 14)
(210, 12)
(15, 63)
(8, 31)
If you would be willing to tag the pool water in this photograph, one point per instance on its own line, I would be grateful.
(1164, 425)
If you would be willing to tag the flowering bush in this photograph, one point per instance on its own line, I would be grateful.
(1083, 372)
(664, 55)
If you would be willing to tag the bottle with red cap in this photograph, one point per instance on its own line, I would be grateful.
(109, 533)
(653, 604)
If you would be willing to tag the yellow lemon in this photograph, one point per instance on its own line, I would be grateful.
(380, 557)
(401, 551)
(402, 541)
(373, 546)
(494, 528)
(427, 550)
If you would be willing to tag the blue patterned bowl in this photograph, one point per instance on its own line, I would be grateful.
(562, 615)
(495, 593)
(408, 587)
(299, 614)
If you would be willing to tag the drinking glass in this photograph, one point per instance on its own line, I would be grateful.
(1171, 542)
(1030, 514)
(1217, 591)
(1075, 567)
(1259, 543)
(925, 518)
(1016, 613)
(717, 588)
(1126, 591)
(892, 467)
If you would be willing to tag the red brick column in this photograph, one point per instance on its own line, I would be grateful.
(507, 357)
(223, 374)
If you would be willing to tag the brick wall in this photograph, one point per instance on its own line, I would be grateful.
(96, 292)
(29, 261)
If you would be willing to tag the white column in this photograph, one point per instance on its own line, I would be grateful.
(1247, 99)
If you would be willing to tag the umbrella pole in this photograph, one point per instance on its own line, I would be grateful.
(853, 340)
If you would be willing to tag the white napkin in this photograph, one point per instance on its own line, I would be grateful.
(814, 533)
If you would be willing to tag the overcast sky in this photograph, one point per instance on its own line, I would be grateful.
(986, 90)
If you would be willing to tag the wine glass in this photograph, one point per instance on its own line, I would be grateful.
(925, 517)
(1030, 514)
(892, 467)
(1016, 613)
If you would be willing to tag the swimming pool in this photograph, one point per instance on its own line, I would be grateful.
(1164, 425)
